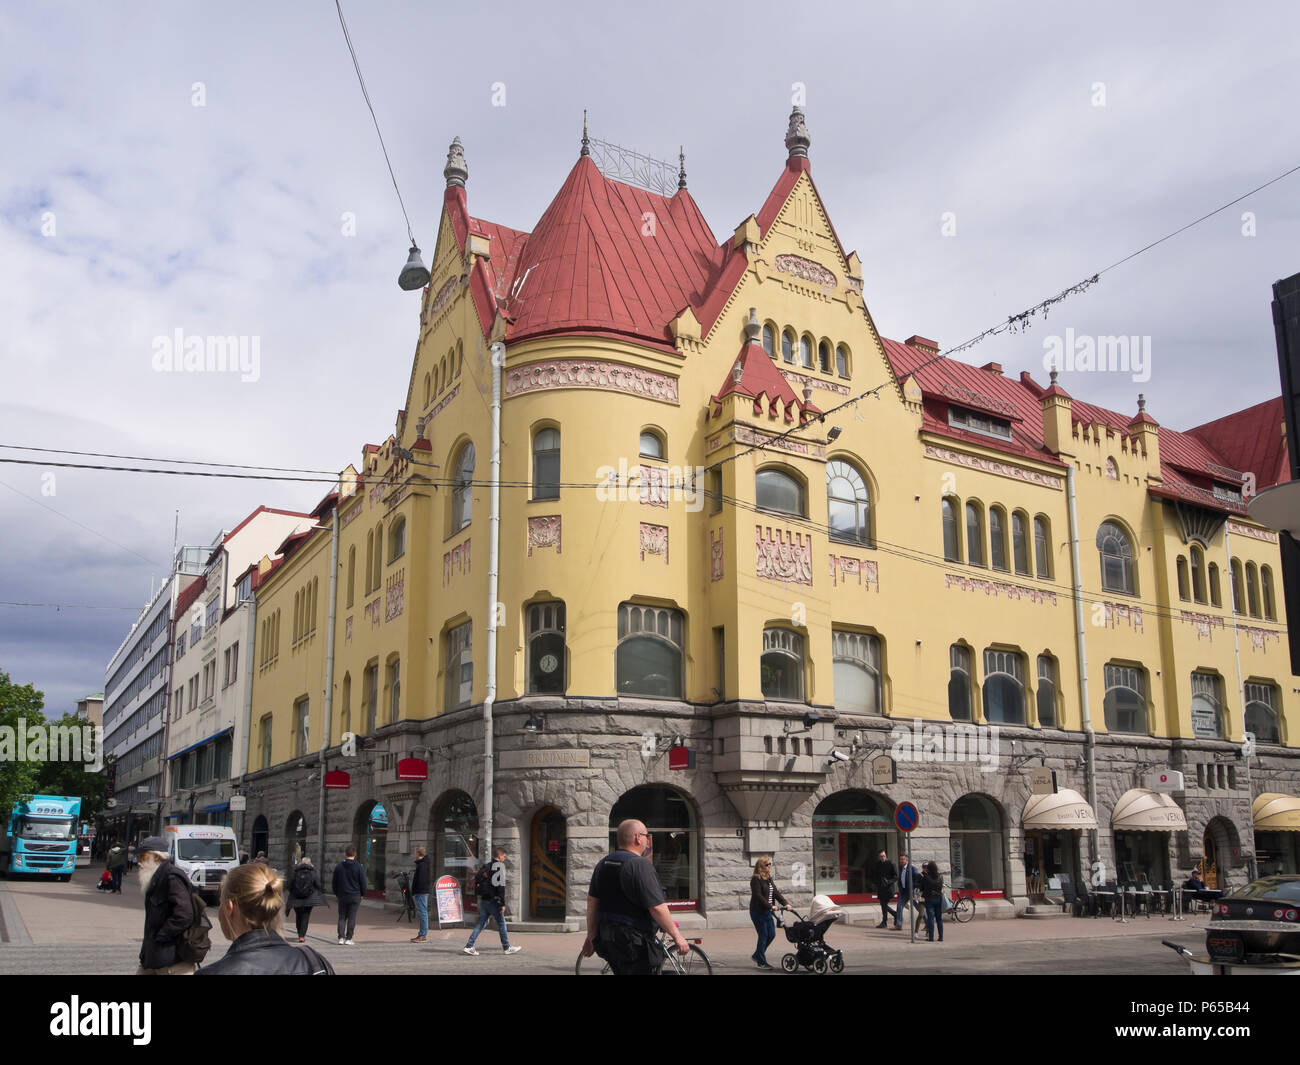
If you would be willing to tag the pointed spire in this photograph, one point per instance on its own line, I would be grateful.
(456, 172)
(586, 141)
(752, 329)
(797, 140)
(681, 171)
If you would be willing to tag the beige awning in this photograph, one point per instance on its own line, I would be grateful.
(1275, 812)
(1065, 809)
(1140, 810)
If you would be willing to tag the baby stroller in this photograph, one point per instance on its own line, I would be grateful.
(811, 949)
(105, 881)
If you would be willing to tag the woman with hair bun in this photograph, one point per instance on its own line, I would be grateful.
(250, 909)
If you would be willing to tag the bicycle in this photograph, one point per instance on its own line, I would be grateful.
(959, 910)
(696, 963)
(408, 900)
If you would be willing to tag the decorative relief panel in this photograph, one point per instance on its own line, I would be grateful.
(544, 532)
(996, 588)
(797, 382)
(442, 403)
(653, 482)
(347, 629)
(1259, 636)
(843, 567)
(1111, 614)
(444, 296)
(1112, 470)
(395, 595)
(716, 560)
(783, 556)
(743, 434)
(806, 270)
(1003, 469)
(373, 612)
(347, 519)
(1237, 529)
(590, 373)
(455, 561)
(1205, 624)
(654, 540)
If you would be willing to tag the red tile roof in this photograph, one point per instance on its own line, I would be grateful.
(762, 381)
(189, 594)
(1252, 441)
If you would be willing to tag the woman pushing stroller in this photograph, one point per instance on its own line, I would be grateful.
(763, 897)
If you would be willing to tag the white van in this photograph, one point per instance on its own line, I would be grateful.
(204, 853)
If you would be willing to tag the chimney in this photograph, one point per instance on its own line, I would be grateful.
(993, 367)
(923, 343)
(1057, 420)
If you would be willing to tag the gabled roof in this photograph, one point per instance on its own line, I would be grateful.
(1252, 441)
(761, 381)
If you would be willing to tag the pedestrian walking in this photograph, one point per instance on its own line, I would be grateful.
(490, 886)
(131, 862)
(908, 881)
(421, 881)
(261, 858)
(169, 912)
(250, 914)
(349, 884)
(763, 897)
(886, 881)
(115, 864)
(305, 893)
(932, 893)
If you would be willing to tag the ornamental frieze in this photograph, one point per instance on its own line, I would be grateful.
(783, 556)
(348, 518)
(455, 561)
(395, 595)
(654, 540)
(1205, 624)
(1002, 469)
(443, 297)
(1237, 529)
(996, 588)
(653, 482)
(799, 380)
(442, 403)
(1258, 636)
(717, 563)
(1109, 615)
(806, 270)
(591, 373)
(969, 398)
(544, 532)
(843, 567)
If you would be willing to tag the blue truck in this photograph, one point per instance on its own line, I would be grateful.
(40, 836)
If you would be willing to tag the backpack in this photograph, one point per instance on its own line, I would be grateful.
(302, 882)
(483, 881)
(194, 943)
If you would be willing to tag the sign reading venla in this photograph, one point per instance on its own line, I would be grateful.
(447, 893)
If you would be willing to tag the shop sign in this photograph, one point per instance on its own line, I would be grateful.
(447, 893)
(554, 758)
(681, 758)
(1042, 781)
(884, 770)
(337, 778)
(412, 769)
(853, 822)
(1167, 780)
(238, 803)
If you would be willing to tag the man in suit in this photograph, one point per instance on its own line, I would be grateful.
(886, 877)
(908, 881)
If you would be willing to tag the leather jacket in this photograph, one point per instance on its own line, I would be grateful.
(262, 952)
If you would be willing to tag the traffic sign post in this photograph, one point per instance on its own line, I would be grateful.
(906, 818)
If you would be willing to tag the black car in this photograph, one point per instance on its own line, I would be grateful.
(1262, 919)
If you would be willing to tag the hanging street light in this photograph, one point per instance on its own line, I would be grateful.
(413, 276)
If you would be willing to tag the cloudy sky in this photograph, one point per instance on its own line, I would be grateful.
(1056, 139)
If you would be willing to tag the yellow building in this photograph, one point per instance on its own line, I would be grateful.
(747, 546)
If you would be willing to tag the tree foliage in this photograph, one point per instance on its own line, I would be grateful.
(18, 703)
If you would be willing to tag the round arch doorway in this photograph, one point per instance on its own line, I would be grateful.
(370, 832)
(261, 836)
(295, 832)
(547, 866)
(850, 829)
(670, 818)
(454, 830)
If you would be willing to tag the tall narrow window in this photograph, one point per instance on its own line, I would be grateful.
(394, 690)
(396, 539)
(345, 712)
(781, 665)
(546, 650)
(842, 361)
(1180, 567)
(1252, 589)
(974, 535)
(1234, 576)
(370, 694)
(769, 339)
(1126, 699)
(805, 352)
(848, 503)
(1207, 706)
(1020, 543)
(1004, 688)
(856, 662)
(787, 345)
(376, 577)
(959, 683)
(370, 559)
(1262, 713)
(301, 719)
(1042, 547)
(266, 742)
(1116, 553)
(1266, 585)
(546, 464)
(824, 356)
(1198, 573)
(1216, 597)
(460, 667)
(1046, 691)
(998, 538)
(462, 494)
(951, 532)
(648, 660)
(352, 575)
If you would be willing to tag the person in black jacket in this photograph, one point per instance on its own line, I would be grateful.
(932, 893)
(168, 910)
(763, 897)
(491, 890)
(348, 886)
(886, 880)
(249, 913)
(421, 881)
(305, 892)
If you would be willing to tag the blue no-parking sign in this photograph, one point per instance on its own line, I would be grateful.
(906, 817)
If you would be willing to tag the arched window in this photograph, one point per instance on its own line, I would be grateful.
(426, 389)
(460, 666)
(370, 695)
(1126, 699)
(842, 361)
(1047, 691)
(442, 372)
(778, 491)
(787, 345)
(959, 682)
(1198, 573)
(1207, 706)
(649, 654)
(769, 339)
(462, 495)
(1252, 589)
(1234, 575)
(1266, 585)
(1215, 597)
(370, 559)
(781, 666)
(805, 351)
(848, 503)
(352, 575)
(998, 538)
(1261, 713)
(460, 357)
(546, 464)
(546, 652)
(396, 539)
(652, 445)
(1043, 546)
(856, 661)
(951, 531)
(976, 845)
(824, 356)
(1181, 567)
(676, 845)
(1116, 559)
(1004, 687)
(394, 689)
(1020, 542)
(345, 710)
(376, 576)
(974, 535)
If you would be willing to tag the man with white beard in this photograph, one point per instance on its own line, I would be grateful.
(168, 911)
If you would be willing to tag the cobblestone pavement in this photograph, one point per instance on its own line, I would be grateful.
(55, 928)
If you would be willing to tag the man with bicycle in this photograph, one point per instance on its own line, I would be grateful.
(624, 903)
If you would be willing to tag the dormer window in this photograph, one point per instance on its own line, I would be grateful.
(977, 421)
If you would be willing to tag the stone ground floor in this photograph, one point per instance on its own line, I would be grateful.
(718, 786)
